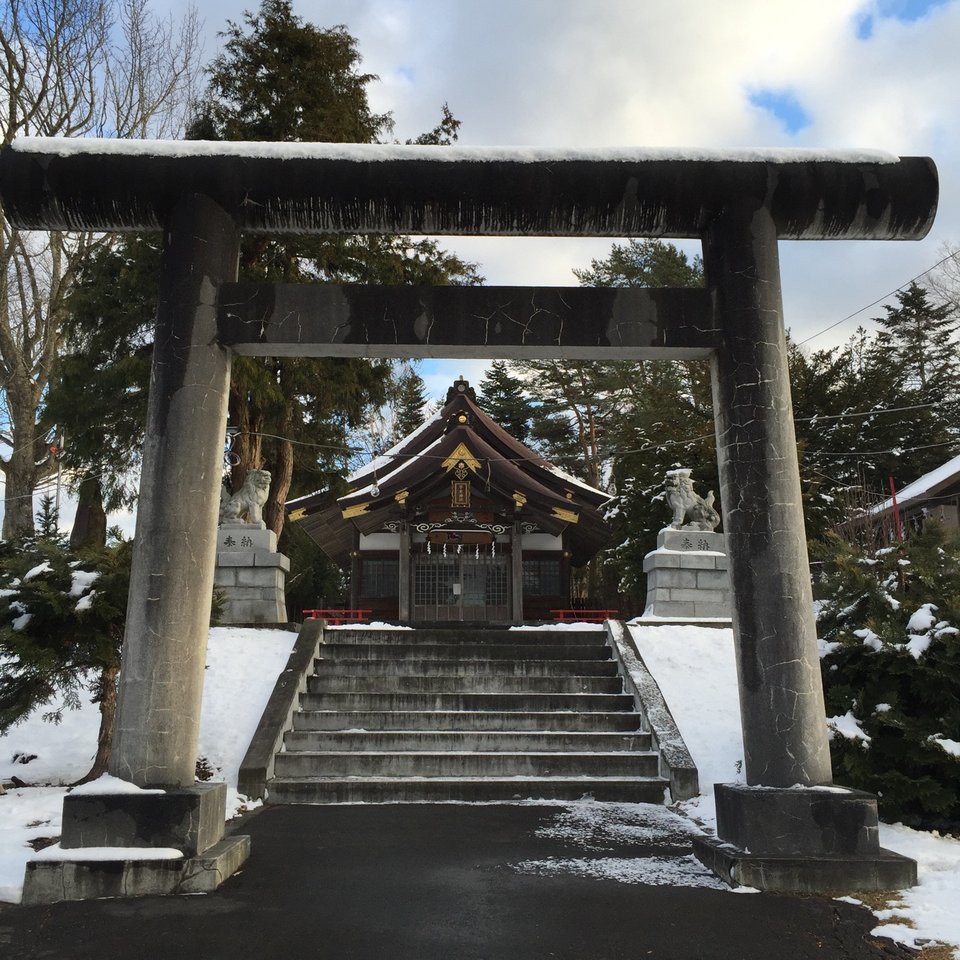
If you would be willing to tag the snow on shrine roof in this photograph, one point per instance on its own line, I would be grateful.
(411, 470)
(387, 459)
(397, 467)
(569, 478)
(928, 483)
(373, 152)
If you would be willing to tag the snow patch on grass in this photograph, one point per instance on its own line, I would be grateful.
(696, 672)
(242, 668)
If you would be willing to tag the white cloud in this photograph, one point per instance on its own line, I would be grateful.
(674, 72)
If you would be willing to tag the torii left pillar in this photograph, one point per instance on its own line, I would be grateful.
(171, 582)
(168, 611)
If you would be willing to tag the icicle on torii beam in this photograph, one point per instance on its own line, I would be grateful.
(204, 195)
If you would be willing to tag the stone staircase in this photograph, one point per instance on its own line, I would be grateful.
(465, 714)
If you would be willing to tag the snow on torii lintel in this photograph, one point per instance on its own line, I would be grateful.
(378, 152)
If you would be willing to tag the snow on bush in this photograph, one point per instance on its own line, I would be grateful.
(890, 655)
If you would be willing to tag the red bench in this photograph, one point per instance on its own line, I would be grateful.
(585, 616)
(337, 615)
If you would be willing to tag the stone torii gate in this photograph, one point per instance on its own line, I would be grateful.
(203, 196)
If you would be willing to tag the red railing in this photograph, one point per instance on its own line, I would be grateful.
(337, 615)
(586, 616)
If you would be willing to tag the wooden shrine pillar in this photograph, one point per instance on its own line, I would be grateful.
(404, 585)
(516, 572)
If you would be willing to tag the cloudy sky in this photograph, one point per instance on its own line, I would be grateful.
(713, 73)
(738, 73)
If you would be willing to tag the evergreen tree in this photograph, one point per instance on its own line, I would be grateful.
(890, 649)
(621, 425)
(861, 419)
(411, 403)
(921, 339)
(279, 78)
(61, 628)
(108, 332)
(48, 519)
(502, 396)
(643, 263)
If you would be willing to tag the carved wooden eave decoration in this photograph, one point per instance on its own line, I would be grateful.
(463, 455)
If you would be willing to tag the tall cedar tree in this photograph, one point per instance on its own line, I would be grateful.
(502, 397)
(108, 334)
(620, 425)
(281, 79)
(883, 406)
(410, 404)
(922, 338)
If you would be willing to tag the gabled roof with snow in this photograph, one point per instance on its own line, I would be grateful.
(419, 469)
(929, 485)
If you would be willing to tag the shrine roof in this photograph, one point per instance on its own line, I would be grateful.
(459, 442)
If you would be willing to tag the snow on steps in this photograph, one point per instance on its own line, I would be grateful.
(465, 714)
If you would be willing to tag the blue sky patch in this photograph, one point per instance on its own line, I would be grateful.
(784, 106)
(906, 11)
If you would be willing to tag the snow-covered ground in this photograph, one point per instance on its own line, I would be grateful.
(696, 671)
(242, 668)
(693, 665)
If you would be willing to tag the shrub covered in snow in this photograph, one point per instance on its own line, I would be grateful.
(61, 626)
(890, 649)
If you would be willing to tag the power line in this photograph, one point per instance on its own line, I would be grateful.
(876, 453)
(886, 296)
(816, 417)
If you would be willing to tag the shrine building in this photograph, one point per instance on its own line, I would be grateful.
(458, 521)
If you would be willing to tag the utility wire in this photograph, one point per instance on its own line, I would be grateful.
(886, 296)
(817, 417)
(656, 446)
(876, 453)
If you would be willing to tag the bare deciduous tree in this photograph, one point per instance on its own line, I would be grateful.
(70, 68)
(944, 281)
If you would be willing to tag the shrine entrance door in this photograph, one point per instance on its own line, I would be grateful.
(469, 585)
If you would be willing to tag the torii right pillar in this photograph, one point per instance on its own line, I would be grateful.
(788, 828)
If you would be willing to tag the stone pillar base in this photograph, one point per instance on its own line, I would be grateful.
(801, 840)
(189, 820)
(250, 574)
(687, 576)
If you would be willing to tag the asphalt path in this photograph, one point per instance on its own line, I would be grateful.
(451, 882)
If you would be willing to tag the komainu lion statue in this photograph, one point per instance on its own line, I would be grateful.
(248, 500)
(690, 510)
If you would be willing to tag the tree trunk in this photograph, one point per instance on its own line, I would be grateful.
(108, 711)
(90, 522)
(21, 477)
(247, 448)
(275, 511)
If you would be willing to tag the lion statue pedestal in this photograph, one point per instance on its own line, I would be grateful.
(250, 574)
(687, 575)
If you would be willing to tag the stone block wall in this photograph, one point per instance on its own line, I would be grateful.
(688, 576)
(250, 575)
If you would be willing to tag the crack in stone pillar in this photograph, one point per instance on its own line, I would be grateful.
(781, 694)
(171, 582)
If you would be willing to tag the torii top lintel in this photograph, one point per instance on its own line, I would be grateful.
(296, 188)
